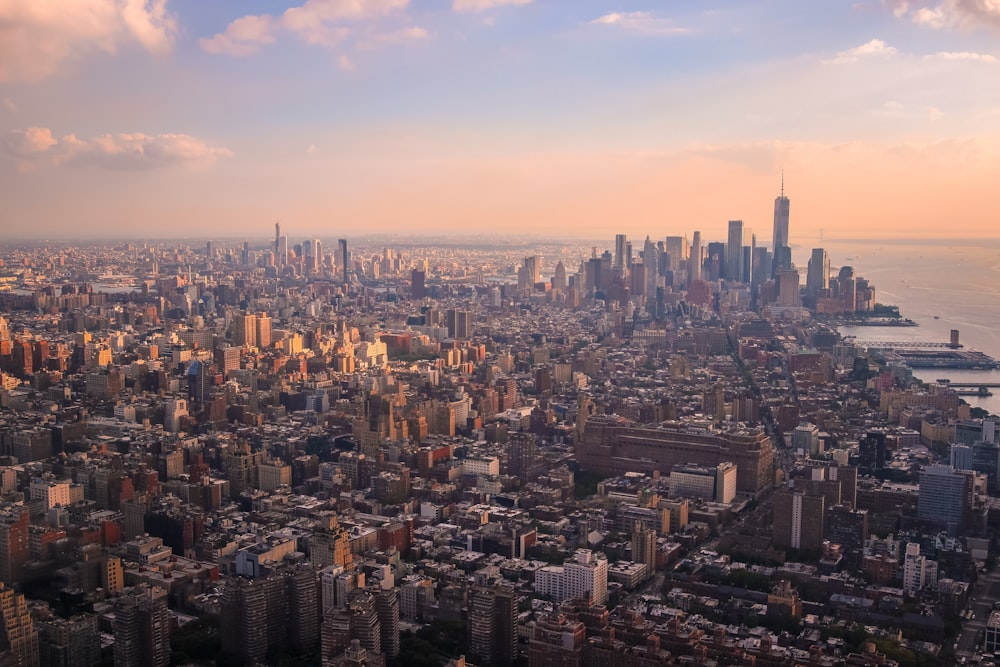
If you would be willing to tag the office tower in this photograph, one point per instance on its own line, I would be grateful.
(14, 545)
(559, 280)
(644, 546)
(848, 527)
(961, 457)
(18, 635)
(263, 325)
(312, 256)
(142, 628)
(761, 265)
(492, 624)
(342, 244)
(678, 251)
(986, 461)
(944, 497)
(788, 288)
(847, 289)
(798, 520)
(734, 251)
(872, 451)
(277, 237)
(694, 262)
(209, 249)
(747, 261)
(245, 330)
(387, 607)
(418, 287)
(781, 203)
(818, 275)
(532, 269)
(620, 242)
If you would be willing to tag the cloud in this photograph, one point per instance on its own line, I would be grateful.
(312, 149)
(345, 63)
(483, 5)
(874, 48)
(9, 105)
(950, 14)
(402, 35)
(38, 36)
(962, 56)
(36, 146)
(318, 22)
(242, 37)
(644, 22)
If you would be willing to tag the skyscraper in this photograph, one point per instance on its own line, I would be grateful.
(734, 251)
(342, 243)
(780, 219)
(694, 261)
(142, 628)
(818, 276)
(644, 546)
(18, 635)
(620, 242)
(945, 495)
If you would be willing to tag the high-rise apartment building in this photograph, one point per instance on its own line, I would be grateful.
(245, 330)
(18, 635)
(583, 576)
(644, 546)
(14, 543)
(492, 623)
(798, 520)
(142, 628)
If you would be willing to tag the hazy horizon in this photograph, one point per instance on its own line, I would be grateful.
(164, 118)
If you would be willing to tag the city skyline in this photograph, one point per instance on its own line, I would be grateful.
(343, 117)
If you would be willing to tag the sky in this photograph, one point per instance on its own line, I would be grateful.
(584, 118)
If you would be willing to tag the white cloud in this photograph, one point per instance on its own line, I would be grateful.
(962, 56)
(644, 22)
(483, 5)
(876, 48)
(898, 7)
(318, 22)
(242, 37)
(950, 14)
(312, 149)
(402, 35)
(38, 36)
(931, 18)
(345, 63)
(36, 146)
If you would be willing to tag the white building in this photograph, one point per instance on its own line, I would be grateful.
(918, 572)
(585, 576)
(51, 493)
(716, 483)
(481, 465)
